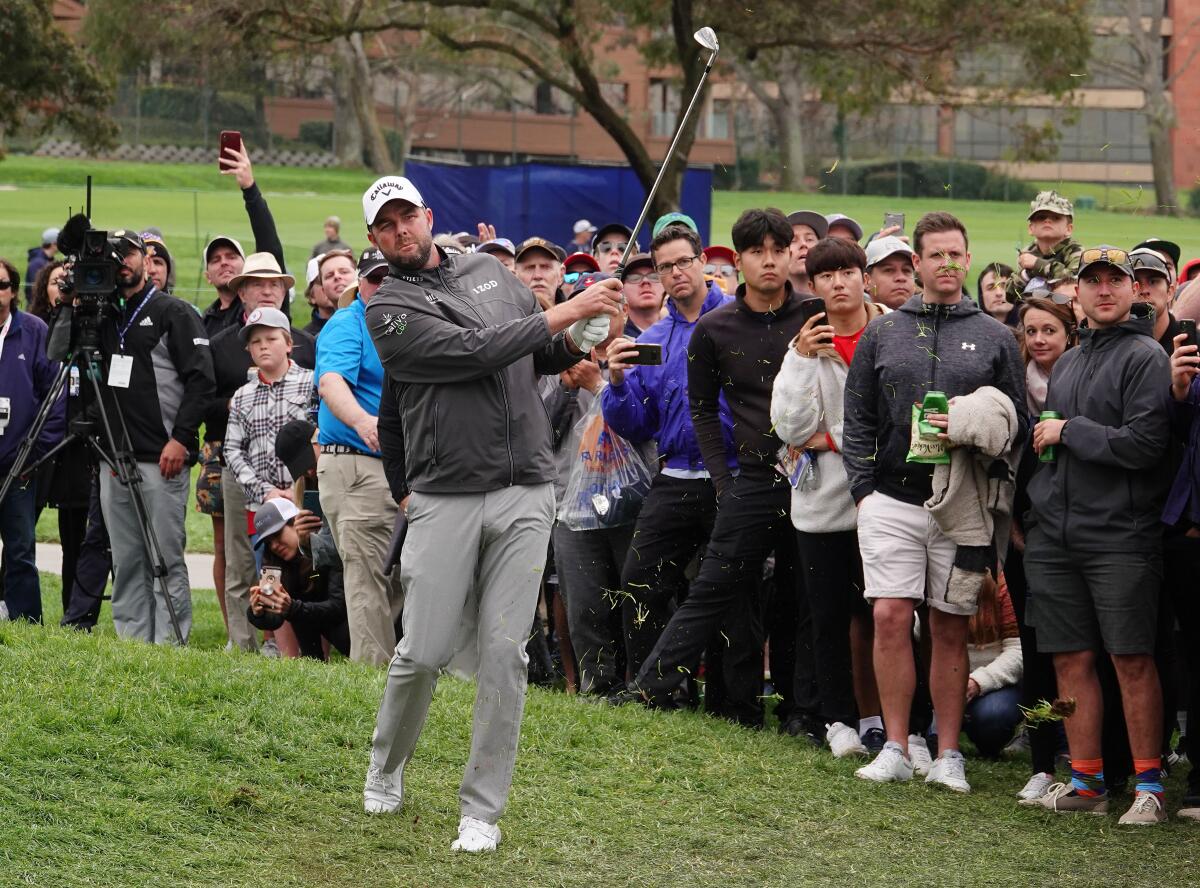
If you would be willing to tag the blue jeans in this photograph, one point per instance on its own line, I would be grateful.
(18, 518)
(991, 719)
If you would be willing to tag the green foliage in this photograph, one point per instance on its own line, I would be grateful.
(1193, 202)
(181, 103)
(933, 177)
(46, 81)
(317, 132)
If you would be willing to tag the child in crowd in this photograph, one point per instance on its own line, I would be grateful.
(278, 392)
(1053, 255)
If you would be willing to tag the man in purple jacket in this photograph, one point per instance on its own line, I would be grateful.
(650, 402)
(26, 376)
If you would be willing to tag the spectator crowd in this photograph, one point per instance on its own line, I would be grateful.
(805, 480)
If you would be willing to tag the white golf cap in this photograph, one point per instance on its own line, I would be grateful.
(312, 270)
(384, 191)
(882, 247)
(584, 225)
(50, 236)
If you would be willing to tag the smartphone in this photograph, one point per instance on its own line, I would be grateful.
(811, 307)
(1188, 328)
(229, 139)
(269, 581)
(890, 219)
(647, 353)
(312, 502)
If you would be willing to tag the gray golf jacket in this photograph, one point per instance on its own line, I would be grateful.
(462, 345)
(1107, 485)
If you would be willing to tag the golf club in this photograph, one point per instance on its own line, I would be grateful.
(707, 38)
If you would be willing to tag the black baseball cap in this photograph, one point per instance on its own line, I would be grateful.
(293, 445)
(127, 238)
(370, 260)
(1170, 249)
(611, 228)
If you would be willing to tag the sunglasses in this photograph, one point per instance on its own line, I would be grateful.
(725, 270)
(1056, 298)
(638, 278)
(1104, 254)
(6, 285)
(609, 246)
(572, 276)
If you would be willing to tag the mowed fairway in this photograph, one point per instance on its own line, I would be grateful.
(127, 765)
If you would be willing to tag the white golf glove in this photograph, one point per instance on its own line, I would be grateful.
(589, 333)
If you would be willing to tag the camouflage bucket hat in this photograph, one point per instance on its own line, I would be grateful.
(1051, 201)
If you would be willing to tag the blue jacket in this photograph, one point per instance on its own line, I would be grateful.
(26, 375)
(652, 402)
(37, 260)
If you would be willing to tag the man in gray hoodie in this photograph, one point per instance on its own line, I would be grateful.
(937, 341)
(1093, 544)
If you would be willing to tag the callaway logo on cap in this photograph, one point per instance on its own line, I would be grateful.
(385, 190)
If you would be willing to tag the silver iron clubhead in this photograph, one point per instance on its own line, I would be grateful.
(707, 38)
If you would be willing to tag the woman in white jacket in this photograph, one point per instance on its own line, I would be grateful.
(806, 409)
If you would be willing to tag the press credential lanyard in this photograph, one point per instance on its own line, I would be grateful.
(121, 369)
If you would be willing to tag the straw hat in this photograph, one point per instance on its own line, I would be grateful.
(264, 267)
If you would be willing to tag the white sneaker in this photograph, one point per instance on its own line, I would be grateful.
(270, 649)
(383, 794)
(476, 835)
(890, 765)
(1146, 810)
(1038, 786)
(949, 771)
(918, 753)
(844, 741)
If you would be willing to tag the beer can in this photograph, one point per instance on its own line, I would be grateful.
(1049, 454)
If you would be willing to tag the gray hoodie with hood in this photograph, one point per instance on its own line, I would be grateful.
(1107, 485)
(918, 348)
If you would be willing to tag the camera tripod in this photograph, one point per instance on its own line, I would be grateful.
(87, 358)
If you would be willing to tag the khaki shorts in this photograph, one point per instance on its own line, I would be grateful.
(208, 483)
(906, 555)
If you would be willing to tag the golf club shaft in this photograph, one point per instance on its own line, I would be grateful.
(629, 247)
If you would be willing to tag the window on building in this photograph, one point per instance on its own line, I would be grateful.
(717, 121)
(616, 94)
(664, 107)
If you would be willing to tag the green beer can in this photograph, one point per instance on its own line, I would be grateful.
(1049, 454)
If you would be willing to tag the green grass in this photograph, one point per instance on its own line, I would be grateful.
(125, 764)
(197, 526)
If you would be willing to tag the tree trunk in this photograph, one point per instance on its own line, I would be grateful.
(377, 157)
(1160, 117)
(786, 114)
(347, 134)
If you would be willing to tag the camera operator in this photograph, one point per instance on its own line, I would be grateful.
(310, 595)
(160, 374)
(26, 376)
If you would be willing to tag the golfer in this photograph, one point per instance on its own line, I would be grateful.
(463, 342)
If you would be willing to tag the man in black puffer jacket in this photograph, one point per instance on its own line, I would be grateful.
(462, 342)
(1093, 550)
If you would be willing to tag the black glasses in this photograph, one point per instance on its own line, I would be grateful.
(683, 265)
(609, 246)
(6, 285)
(638, 278)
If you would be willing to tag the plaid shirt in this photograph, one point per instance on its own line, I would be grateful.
(257, 411)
